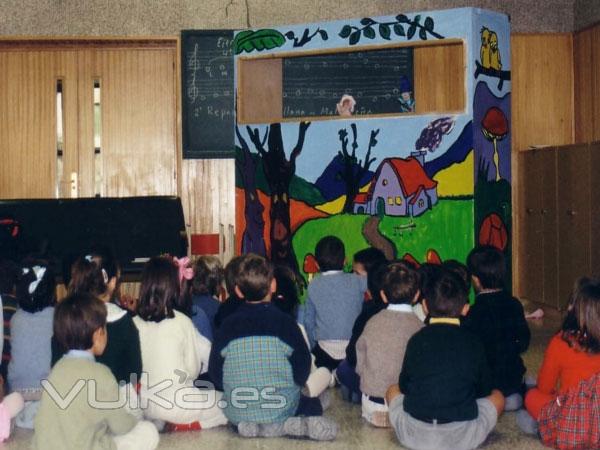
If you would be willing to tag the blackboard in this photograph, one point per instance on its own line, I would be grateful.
(207, 94)
(313, 85)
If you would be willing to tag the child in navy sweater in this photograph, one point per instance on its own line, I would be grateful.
(261, 362)
(333, 303)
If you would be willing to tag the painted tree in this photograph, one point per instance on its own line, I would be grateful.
(279, 172)
(253, 240)
(354, 169)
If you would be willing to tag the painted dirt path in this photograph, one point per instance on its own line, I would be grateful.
(376, 239)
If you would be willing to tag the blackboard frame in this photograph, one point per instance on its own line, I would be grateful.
(194, 149)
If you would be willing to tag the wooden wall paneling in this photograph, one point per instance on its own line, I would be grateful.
(594, 92)
(208, 196)
(439, 74)
(584, 83)
(87, 72)
(139, 153)
(27, 124)
(260, 92)
(574, 215)
(531, 250)
(547, 184)
(542, 89)
(595, 208)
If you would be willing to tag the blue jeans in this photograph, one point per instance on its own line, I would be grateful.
(347, 376)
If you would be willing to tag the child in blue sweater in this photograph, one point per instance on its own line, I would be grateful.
(31, 333)
(334, 301)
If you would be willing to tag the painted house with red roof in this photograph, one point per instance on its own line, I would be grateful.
(400, 187)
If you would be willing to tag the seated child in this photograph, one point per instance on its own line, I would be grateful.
(365, 259)
(206, 285)
(31, 333)
(572, 355)
(443, 399)
(9, 273)
(231, 303)
(286, 299)
(98, 273)
(346, 371)
(499, 321)
(172, 351)
(261, 361)
(80, 327)
(380, 348)
(333, 303)
(185, 303)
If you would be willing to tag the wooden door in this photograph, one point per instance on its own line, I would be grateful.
(595, 208)
(573, 168)
(28, 121)
(138, 152)
(531, 236)
(548, 212)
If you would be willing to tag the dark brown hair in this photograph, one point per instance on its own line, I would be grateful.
(487, 263)
(400, 283)
(330, 253)
(232, 270)
(581, 327)
(254, 278)
(159, 290)
(92, 272)
(446, 295)
(44, 294)
(76, 319)
(208, 276)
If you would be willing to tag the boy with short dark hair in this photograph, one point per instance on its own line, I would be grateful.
(380, 348)
(333, 303)
(444, 398)
(365, 259)
(80, 327)
(497, 318)
(261, 362)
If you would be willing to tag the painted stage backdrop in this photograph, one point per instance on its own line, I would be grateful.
(424, 187)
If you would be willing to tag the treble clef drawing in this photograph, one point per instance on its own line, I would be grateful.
(193, 66)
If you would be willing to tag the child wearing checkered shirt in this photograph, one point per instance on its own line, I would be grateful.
(261, 362)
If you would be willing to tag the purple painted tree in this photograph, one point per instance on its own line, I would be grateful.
(354, 169)
(279, 172)
(253, 240)
(431, 136)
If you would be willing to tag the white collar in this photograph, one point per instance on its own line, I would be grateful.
(400, 308)
(332, 272)
(80, 354)
(114, 312)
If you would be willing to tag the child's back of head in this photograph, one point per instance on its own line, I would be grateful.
(365, 259)
(400, 283)
(76, 319)
(375, 281)
(445, 295)
(232, 270)
(159, 289)
(459, 269)
(208, 276)
(330, 254)
(581, 327)
(487, 264)
(36, 287)
(94, 272)
(285, 296)
(254, 280)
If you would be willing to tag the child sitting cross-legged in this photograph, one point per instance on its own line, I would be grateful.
(261, 362)
(80, 327)
(444, 399)
(380, 348)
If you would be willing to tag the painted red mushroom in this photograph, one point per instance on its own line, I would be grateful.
(411, 259)
(495, 127)
(432, 257)
(310, 266)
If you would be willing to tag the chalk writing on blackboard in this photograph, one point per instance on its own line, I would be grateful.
(312, 85)
(208, 93)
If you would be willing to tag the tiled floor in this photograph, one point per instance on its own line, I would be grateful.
(354, 432)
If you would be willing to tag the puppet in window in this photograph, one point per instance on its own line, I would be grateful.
(407, 102)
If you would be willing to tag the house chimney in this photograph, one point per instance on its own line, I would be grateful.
(419, 156)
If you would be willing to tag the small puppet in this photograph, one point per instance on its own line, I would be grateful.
(345, 107)
(407, 102)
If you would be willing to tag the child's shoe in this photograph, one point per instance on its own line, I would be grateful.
(248, 429)
(513, 402)
(380, 419)
(175, 427)
(526, 423)
(317, 428)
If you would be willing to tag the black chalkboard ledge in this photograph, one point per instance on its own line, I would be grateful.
(208, 154)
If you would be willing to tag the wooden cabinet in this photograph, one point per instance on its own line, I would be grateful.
(558, 218)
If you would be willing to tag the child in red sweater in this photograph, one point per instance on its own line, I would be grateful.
(573, 354)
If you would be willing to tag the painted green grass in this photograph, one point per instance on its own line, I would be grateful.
(447, 228)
